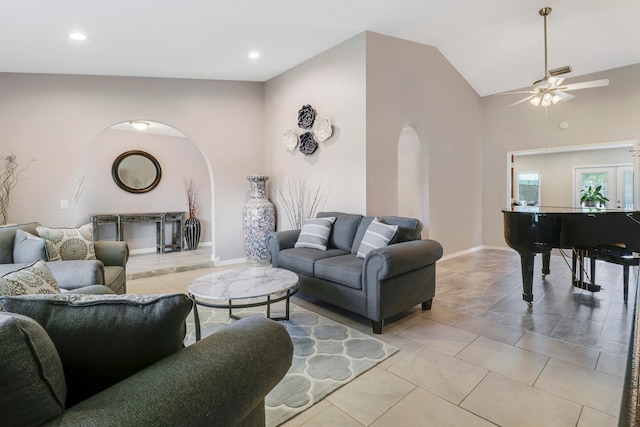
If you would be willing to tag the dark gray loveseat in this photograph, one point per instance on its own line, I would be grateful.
(387, 282)
(108, 269)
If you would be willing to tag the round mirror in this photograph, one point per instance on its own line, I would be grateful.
(136, 171)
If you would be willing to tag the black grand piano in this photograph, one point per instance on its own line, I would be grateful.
(532, 230)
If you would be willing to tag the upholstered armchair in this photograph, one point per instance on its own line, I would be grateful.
(117, 360)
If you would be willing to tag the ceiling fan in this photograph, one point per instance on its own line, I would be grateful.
(550, 90)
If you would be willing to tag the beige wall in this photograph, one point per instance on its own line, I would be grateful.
(409, 84)
(595, 115)
(557, 170)
(54, 118)
(333, 83)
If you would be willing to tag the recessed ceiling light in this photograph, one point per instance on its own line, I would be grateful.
(254, 55)
(78, 36)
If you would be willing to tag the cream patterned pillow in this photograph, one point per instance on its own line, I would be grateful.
(315, 233)
(378, 235)
(32, 279)
(68, 244)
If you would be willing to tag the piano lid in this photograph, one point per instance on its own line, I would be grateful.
(564, 210)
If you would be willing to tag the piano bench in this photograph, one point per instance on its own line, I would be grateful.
(620, 256)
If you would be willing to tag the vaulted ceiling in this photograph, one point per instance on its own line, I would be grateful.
(496, 45)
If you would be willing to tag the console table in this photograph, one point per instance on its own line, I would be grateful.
(160, 218)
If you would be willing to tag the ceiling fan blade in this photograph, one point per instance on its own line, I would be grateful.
(585, 85)
(517, 92)
(564, 96)
(522, 100)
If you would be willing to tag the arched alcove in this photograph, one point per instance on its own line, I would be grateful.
(413, 189)
(96, 192)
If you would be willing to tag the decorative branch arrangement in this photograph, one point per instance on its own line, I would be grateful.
(8, 179)
(192, 188)
(300, 201)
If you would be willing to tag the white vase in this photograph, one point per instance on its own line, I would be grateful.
(258, 220)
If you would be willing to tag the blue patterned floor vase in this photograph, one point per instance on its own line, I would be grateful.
(192, 233)
(258, 220)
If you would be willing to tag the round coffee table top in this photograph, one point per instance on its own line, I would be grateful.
(246, 282)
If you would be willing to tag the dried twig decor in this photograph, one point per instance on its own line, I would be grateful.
(9, 175)
(192, 188)
(299, 201)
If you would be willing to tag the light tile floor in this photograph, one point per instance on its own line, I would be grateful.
(480, 356)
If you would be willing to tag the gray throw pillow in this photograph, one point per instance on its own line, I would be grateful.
(33, 389)
(28, 248)
(315, 233)
(32, 279)
(378, 235)
(103, 339)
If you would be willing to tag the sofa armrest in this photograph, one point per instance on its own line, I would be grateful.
(400, 258)
(279, 240)
(220, 380)
(77, 274)
(112, 253)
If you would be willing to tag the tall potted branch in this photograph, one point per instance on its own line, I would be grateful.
(9, 175)
(192, 226)
(300, 201)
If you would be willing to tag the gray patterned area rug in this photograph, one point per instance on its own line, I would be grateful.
(327, 355)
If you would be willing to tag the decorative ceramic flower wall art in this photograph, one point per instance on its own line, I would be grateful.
(290, 139)
(307, 144)
(322, 128)
(306, 115)
(318, 128)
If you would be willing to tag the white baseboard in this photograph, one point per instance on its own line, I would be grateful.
(474, 249)
(218, 263)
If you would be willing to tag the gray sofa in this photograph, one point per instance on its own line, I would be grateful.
(388, 281)
(109, 268)
(69, 360)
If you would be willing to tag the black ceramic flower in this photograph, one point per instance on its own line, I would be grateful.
(307, 144)
(306, 115)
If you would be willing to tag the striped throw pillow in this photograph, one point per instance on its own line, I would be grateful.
(378, 235)
(315, 233)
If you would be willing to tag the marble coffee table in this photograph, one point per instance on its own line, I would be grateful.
(267, 285)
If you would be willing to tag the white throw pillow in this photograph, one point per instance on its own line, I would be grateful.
(315, 233)
(378, 235)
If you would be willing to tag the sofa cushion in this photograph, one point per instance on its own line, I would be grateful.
(8, 236)
(69, 243)
(345, 270)
(103, 339)
(301, 260)
(28, 248)
(33, 389)
(315, 233)
(35, 278)
(344, 229)
(378, 235)
(408, 229)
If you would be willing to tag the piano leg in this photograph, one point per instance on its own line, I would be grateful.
(546, 260)
(526, 262)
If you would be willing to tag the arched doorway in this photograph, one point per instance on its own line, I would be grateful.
(413, 189)
(97, 192)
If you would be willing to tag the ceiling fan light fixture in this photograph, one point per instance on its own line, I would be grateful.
(556, 98)
(535, 101)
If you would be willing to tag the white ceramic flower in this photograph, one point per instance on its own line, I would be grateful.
(322, 128)
(290, 139)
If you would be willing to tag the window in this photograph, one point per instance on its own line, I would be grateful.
(528, 188)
